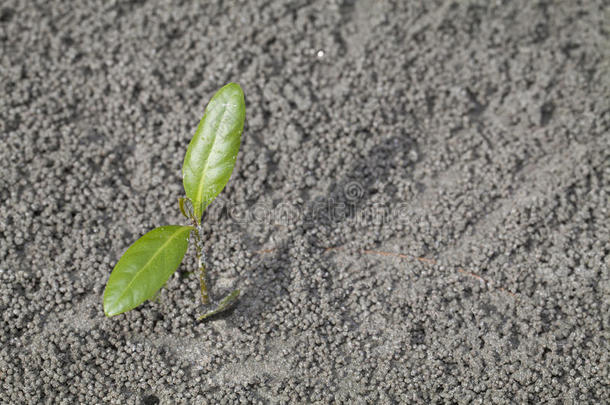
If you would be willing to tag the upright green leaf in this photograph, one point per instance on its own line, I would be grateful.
(145, 267)
(211, 155)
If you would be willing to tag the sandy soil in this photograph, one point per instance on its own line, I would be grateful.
(419, 211)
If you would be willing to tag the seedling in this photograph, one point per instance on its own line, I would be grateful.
(210, 157)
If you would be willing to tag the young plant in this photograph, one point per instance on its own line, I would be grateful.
(210, 157)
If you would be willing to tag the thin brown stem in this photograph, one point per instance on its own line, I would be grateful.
(201, 263)
(204, 289)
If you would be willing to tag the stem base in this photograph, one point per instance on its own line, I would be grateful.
(224, 304)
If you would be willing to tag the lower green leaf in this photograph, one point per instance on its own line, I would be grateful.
(145, 267)
(222, 305)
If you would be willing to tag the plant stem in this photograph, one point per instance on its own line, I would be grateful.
(227, 301)
(201, 263)
(204, 289)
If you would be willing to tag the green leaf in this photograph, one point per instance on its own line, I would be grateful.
(223, 305)
(145, 267)
(211, 155)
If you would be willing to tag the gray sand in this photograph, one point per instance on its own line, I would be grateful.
(419, 211)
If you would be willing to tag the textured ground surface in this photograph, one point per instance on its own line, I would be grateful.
(471, 135)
